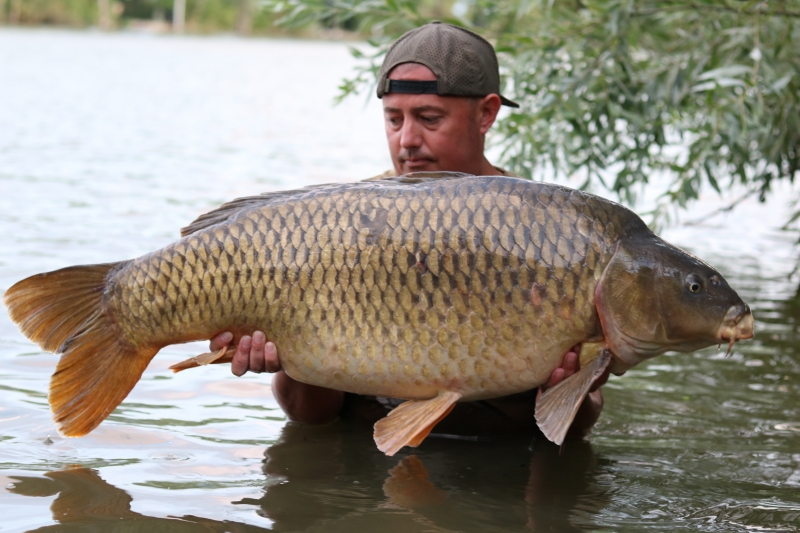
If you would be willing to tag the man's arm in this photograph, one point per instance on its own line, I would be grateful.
(317, 405)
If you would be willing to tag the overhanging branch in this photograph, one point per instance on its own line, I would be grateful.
(718, 8)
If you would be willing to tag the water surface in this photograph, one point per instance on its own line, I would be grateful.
(110, 143)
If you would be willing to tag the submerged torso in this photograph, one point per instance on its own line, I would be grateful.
(476, 284)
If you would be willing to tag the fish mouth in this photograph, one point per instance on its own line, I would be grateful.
(737, 325)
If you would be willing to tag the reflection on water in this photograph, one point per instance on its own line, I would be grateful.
(333, 479)
(110, 143)
(84, 502)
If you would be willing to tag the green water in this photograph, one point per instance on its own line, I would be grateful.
(110, 143)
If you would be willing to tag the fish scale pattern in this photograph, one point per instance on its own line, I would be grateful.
(472, 284)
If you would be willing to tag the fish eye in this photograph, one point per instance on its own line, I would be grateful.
(694, 283)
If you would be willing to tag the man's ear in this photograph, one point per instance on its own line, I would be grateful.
(488, 107)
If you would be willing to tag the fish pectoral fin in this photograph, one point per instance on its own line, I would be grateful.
(557, 406)
(203, 359)
(410, 422)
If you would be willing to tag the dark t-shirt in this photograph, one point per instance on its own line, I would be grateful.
(498, 416)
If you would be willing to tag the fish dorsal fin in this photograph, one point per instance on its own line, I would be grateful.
(557, 406)
(230, 209)
(410, 422)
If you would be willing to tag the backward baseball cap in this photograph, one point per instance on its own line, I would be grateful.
(464, 63)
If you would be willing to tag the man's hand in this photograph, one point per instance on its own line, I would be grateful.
(253, 354)
(301, 402)
(589, 411)
(569, 365)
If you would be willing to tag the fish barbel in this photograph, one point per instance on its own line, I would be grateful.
(434, 288)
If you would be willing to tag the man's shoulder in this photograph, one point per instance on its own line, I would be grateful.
(508, 173)
(392, 174)
(388, 174)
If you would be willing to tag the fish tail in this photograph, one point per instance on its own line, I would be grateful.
(63, 312)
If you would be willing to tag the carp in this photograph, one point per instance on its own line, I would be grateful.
(430, 287)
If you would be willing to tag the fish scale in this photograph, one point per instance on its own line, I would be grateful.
(433, 288)
(474, 284)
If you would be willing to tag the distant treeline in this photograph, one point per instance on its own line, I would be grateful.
(243, 16)
(196, 16)
(206, 16)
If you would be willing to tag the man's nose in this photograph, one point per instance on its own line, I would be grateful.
(410, 135)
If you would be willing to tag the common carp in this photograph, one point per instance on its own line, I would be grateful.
(430, 287)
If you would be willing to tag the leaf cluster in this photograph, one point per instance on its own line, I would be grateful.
(702, 91)
(616, 91)
(381, 21)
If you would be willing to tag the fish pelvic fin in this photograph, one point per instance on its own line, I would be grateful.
(217, 357)
(63, 312)
(556, 407)
(410, 422)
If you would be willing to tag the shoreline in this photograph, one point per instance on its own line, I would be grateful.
(160, 27)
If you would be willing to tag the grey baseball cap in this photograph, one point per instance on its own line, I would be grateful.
(464, 63)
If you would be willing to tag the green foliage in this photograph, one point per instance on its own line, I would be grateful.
(382, 21)
(51, 12)
(201, 15)
(614, 91)
(210, 15)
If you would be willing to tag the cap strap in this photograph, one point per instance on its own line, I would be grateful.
(411, 87)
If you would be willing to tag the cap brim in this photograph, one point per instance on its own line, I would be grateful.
(506, 101)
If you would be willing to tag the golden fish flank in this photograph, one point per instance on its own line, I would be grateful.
(449, 287)
(332, 303)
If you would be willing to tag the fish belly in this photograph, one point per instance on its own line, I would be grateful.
(475, 285)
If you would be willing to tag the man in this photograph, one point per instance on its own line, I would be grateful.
(440, 88)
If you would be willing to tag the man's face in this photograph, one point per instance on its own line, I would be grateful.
(428, 132)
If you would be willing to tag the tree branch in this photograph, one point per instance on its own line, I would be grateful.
(724, 209)
(729, 9)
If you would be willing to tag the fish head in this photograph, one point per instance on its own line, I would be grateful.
(654, 297)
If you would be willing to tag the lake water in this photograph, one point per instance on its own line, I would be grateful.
(111, 143)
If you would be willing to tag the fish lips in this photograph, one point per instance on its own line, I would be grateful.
(738, 324)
